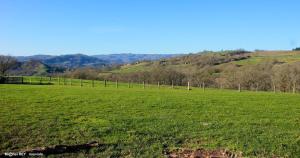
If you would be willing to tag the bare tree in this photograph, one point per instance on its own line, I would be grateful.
(295, 75)
(6, 63)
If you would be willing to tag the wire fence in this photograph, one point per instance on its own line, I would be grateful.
(41, 80)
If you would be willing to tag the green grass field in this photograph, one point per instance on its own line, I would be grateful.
(137, 122)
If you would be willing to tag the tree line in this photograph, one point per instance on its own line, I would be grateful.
(265, 76)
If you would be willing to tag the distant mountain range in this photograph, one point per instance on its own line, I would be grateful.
(81, 60)
(130, 58)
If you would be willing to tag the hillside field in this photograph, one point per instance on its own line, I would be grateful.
(137, 122)
(254, 58)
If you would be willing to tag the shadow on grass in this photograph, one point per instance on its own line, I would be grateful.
(58, 149)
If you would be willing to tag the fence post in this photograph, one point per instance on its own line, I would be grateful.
(81, 83)
(203, 86)
(172, 84)
(22, 80)
(30, 80)
(117, 84)
(104, 83)
(239, 87)
(274, 88)
(256, 89)
(143, 84)
(158, 84)
(188, 86)
(294, 88)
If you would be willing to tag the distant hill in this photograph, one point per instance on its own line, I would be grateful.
(75, 60)
(34, 57)
(81, 60)
(66, 61)
(131, 58)
(192, 63)
(34, 67)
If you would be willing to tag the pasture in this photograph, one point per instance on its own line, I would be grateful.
(137, 122)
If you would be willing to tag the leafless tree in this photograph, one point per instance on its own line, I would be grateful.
(6, 63)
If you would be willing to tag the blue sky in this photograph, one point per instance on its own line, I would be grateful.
(146, 26)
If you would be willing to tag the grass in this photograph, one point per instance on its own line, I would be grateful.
(137, 122)
(281, 56)
(132, 68)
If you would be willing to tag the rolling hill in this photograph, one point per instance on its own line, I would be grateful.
(75, 60)
(81, 60)
(34, 67)
(66, 61)
(193, 62)
(130, 58)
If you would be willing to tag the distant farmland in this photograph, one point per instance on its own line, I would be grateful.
(137, 122)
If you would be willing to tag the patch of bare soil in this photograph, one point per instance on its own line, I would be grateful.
(201, 153)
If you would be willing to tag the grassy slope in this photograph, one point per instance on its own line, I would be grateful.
(257, 57)
(142, 122)
(132, 68)
(281, 56)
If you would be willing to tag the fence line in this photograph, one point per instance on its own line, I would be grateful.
(83, 83)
